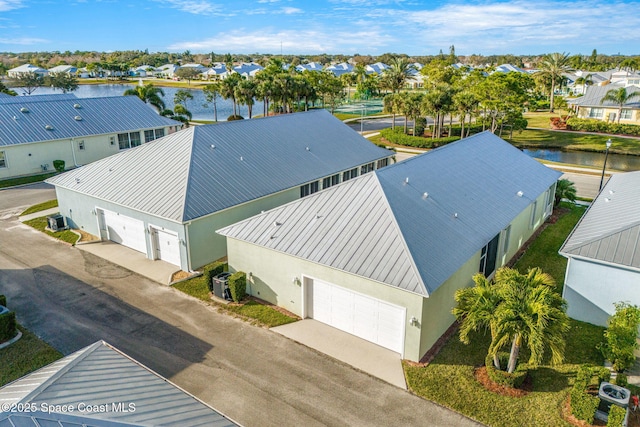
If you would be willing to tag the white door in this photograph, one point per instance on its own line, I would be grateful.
(167, 246)
(363, 316)
(125, 230)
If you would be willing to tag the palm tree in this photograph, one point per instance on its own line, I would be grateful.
(619, 97)
(398, 73)
(390, 106)
(530, 313)
(554, 65)
(475, 309)
(211, 94)
(245, 93)
(586, 80)
(228, 89)
(149, 94)
(565, 190)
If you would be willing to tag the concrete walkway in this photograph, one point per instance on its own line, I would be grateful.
(156, 270)
(45, 212)
(361, 354)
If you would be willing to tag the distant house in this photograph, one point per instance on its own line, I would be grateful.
(166, 199)
(590, 105)
(311, 66)
(68, 69)
(508, 68)
(377, 68)
(39, 129)
(218, 71)
(340, 69)
(381, 256)
(25, 69)
(603, 252)
(99, 386)
(142, 71)
(248, 69)
(166, 71)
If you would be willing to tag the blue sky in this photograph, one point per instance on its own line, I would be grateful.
(322, 26)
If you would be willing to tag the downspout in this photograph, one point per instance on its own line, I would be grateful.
(186, 241)
(73, 152)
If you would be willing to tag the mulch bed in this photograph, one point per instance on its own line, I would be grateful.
(483, 378)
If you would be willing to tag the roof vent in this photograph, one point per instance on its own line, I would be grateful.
(406, 180)
(77, 180)
(455, 215)
(213, 146)
(425, 195)
(15, 118)
(77, 118)
(276, 223)
(308, 149)
(24, 110)
(48, 127)
(520, 193)
(77, 106)
(241, 158)
(611, 191)
(606, 199)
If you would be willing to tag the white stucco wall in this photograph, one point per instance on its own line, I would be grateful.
(592, 288)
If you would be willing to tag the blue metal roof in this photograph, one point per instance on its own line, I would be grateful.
(21, 99)
(44, 118)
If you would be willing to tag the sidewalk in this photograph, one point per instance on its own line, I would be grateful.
(46, 212)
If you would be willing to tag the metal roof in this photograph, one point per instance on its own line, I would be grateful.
(101, 375)
(205, 169)
(37, 98)
(594, 94)
(25, 120)
(609, 230)
(412, 224)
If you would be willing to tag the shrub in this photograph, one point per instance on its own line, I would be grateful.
(398, 137)
(212, 270)
(238, 286)
(58, 165)
(236, 117)
(616, 416)
(420, 124)
(620, 336)
(603, 373)
(3, 300)
(622, 380)
(7, 326)
(513, 380)
(592, 125)
(583, 405)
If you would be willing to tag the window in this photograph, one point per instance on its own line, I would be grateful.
(349, 174)
(3, 160)
(151, 134)
(310, 188)
(534, 207)
(626, 114)
(506, 238)
(596, 112)
(330, 181)
(382, 163)
(488, 257)
(128, 140)
(159, 133)
(80, 145)
(548, 200)
(366, 168)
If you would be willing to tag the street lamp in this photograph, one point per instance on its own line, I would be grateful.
(363, 108)
(606, 154)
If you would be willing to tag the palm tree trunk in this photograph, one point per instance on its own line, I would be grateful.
(393, 122)
(405, 124)
(513, 356)
(215, 109)
(551, 98)
(462, 126)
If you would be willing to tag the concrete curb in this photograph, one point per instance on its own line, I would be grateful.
(11, 341)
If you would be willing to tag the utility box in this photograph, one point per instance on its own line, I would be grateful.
(221, 286)
(56, 223)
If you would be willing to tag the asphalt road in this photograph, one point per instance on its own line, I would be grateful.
(71, 299)
(26, 195)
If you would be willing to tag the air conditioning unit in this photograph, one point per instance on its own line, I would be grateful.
(56, 223)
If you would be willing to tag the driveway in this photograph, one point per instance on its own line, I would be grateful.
(26, 195)
(71, 298)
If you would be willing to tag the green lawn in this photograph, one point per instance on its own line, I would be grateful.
(24, 356)
(543, 252)
(41, 223)
(263, 315)
(535, 138)
(25, 180)
(41, 207)
(449, 380)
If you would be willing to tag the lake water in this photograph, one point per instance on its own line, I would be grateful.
(619, 162)
(198, 105)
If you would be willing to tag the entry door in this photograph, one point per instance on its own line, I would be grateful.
(167, 246)
(363, 316)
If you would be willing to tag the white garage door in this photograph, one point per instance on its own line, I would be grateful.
(366, 317)
(167, 246)
(125, 230)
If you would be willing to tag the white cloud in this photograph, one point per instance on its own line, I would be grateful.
(297, 42)
(196, 7)
(290, 10)
(6, 5)
(23, 41)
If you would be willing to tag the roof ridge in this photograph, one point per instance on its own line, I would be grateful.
(189, 169)
(603, 236)
(388, 207)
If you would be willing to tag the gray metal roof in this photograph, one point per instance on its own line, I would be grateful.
(594, 94)
(25, 119)
(205, 169)
(101, 375)
(386, 229)
(20, 99)
(610, 229)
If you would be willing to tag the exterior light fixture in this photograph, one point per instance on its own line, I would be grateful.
(604, 167)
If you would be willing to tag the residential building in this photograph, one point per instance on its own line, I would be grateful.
(603, 252)
(590, 106)
(26, 69)
(69, 69)
(39, 129)
(381, 256)
(166, 199)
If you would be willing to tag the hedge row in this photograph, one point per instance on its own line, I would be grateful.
(8, 328)
(211, 271)
(592, 125)
(238, 286)
(616, 416)
(399, 137)
(513, 380)
(3, 300)
(584, 405)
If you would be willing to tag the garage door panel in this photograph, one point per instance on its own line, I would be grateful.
(167, 246)
(366, 317)
(126, 231)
